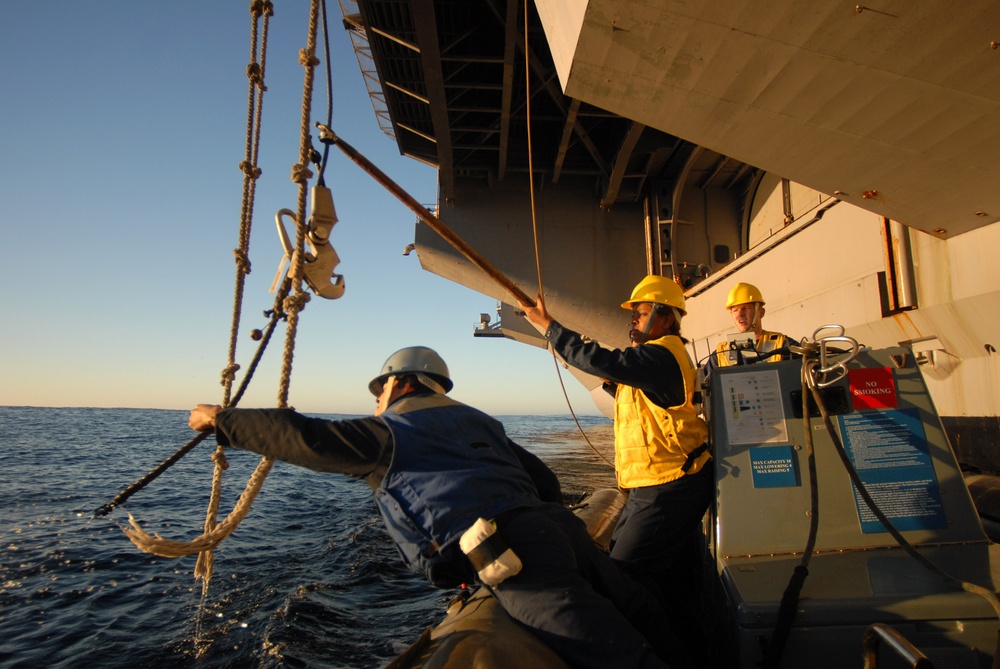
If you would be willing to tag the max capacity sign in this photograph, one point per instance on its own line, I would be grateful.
(873, 388)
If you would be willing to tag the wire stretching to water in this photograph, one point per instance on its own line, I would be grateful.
(534, 226)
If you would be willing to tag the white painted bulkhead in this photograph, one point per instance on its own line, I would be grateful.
(814, 272)
(825, 266)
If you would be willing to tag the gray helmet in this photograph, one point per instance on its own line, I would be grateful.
(413, 360)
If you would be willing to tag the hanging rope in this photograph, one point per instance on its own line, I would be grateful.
(432, 221)
(300, 175)
(255, 75)
(291, 300)
(251, 172)
(531, 155)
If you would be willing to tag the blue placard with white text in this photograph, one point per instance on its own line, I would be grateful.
(774, 467)
(889, 452)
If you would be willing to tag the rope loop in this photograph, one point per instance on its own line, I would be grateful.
(250, 169)
(301, 173)
(157, 545)
(242, 260)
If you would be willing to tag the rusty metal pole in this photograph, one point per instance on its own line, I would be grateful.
(427, 217)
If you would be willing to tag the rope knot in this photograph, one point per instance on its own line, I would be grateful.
(257, 7)
(307, 58)
(301, 173)
(250, 169)
(296, 303)
(229, 373)
(219, 458)
(254, 73)
(242, 260)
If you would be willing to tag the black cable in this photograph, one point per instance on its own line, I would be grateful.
(123, 496)
(329, 96)
(896, 534)
(790, 599)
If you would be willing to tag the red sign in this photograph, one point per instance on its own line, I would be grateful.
(873, 388)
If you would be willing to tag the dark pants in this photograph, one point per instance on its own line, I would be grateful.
(656, 536)
(658, 542)
(573, 596)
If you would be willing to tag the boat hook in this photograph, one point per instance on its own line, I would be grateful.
(327, 136)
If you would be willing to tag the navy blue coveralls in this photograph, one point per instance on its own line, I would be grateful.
(657, 539)
(569, 593)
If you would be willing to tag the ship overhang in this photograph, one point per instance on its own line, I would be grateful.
(894, 109)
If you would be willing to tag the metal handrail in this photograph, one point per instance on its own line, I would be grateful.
(877, 633)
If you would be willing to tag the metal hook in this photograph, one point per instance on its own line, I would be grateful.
(285, 244)
(319, 271)
(826, 366)
(319, 265)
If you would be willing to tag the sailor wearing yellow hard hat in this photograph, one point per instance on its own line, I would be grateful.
(661, 454)
(745, 304)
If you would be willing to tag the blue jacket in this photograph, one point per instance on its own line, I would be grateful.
(451, 465)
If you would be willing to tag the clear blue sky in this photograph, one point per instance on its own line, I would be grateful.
(122, 125)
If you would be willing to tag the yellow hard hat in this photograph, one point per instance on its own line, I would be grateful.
(658, 290)
(743, 293)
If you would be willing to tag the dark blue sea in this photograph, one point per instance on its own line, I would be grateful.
(309, 579)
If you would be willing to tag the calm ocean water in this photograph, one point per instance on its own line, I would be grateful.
(309, 579)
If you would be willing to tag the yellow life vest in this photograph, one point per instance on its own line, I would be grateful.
(652, 444)
(768, 341)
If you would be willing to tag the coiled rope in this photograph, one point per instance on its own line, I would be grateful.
(290, 301)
